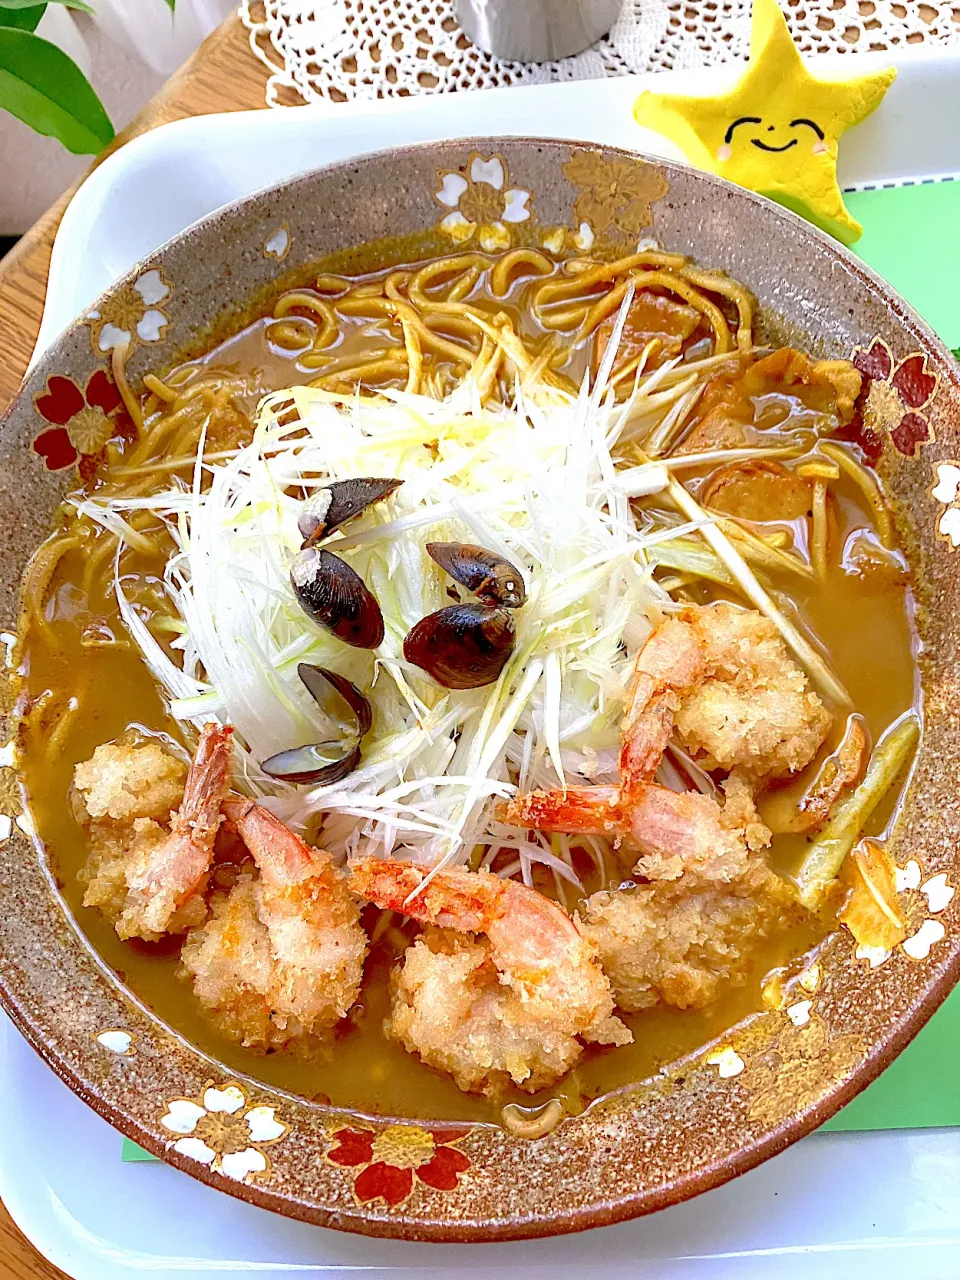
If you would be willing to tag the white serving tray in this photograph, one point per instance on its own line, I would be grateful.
(884, 1204)
(161, 182)
(836, 1205)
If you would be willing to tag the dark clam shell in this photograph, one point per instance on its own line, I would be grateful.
(318, 679)
(318, 762)
(494, 580)
(334, 595)
(333, 505)
(463, 646)
(324, 762)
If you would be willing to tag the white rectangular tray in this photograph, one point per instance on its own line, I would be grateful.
(834, 1206)
(161, 182)
(880, 1203)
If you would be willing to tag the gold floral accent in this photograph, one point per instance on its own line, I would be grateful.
(803, 1066)
(223, 1131)
(615, 195)
(482, 204)
(89, 430)
(133, 314)
(911, 898)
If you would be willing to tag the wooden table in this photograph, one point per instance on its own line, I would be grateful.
(223, 75)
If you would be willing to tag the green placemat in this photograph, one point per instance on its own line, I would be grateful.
(910, 238)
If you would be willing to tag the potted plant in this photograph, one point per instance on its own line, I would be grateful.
(43, 86)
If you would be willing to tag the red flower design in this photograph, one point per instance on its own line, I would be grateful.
(890, 402)
(396, 1157)
(82, 422)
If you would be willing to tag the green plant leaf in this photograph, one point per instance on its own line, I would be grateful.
(956, 352)
(26, 18)
(32, 4)
(47, 91)
(171, 5)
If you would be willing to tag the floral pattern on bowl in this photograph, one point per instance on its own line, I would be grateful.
(920, 901)
(81, 422)
(482, 204)
(946, 491)
(224, 1132)
(804, 1064)
(388, 1164)
(615, 199)
(893, 403)
(133, 314)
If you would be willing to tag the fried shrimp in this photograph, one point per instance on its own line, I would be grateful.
(280, 960)
(723, 680)
(502, 987)
(752, 707)
(691, 928)
(148, 866)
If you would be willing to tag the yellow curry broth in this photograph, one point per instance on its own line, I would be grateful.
(76, 647)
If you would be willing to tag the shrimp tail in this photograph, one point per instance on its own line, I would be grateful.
(464, 900)
(670, 663)
(283, 858)
(578, 810)
(207, 782)
(176, 869)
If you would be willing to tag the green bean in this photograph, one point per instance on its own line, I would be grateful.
(823, 860)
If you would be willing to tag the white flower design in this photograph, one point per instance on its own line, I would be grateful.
(946, 491)
(481, 203)
(799, 1013)
(116, 1041)
(277, 244)
(727, 1061)
(224, 1132)
(133, 313)
(556, 239)
(936, 894)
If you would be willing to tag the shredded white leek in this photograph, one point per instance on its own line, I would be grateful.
(534, 481)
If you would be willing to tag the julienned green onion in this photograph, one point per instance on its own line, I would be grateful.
(534, 481)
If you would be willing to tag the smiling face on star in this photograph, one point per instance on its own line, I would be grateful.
(755, 132)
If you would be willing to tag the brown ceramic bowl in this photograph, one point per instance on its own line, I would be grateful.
(698, 1122)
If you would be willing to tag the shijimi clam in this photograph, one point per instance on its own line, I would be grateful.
(489, 576)
(324, 762)
(463, 646)
(335, 504)
(335, 595)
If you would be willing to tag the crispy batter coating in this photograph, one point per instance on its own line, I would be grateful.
(146, 877)
(278, 964)
(682, 937)
(128, 782)
(501, 985)
(123, 794)
(451, 1005)
(682, 943)
(753, 708)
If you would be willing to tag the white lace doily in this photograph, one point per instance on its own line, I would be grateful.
(342, 49)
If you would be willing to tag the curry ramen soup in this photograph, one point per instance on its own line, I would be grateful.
(656, 672)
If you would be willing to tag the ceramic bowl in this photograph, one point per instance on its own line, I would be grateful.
(717, 1112)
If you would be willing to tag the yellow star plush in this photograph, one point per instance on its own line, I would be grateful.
(776, 130)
